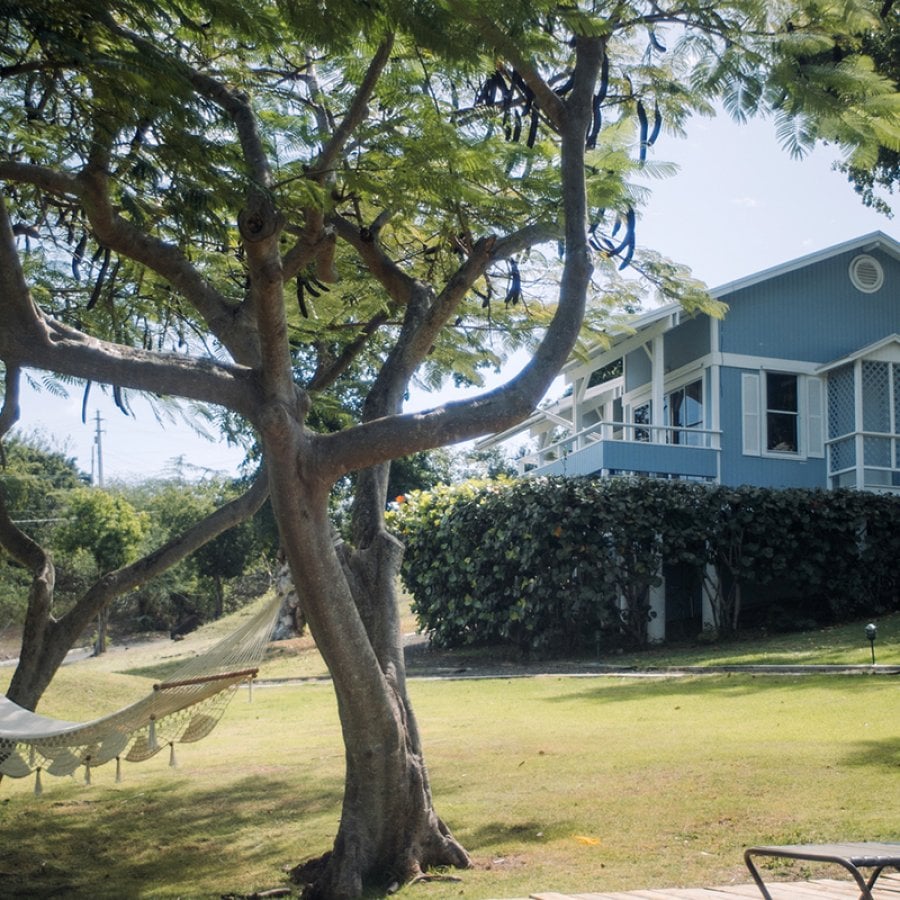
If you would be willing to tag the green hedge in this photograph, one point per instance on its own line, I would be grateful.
(562, 565)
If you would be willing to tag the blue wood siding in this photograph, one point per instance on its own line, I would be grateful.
(682, 345)
(637, 369)
(813, 314)
(687, 342)
(762, 471)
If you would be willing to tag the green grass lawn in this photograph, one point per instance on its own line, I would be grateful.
(552, 783)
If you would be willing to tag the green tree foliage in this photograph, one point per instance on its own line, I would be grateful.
(195, 587)
(106, 527)
(563, 565)
(103, 523)
(883, 46)
(35, 479)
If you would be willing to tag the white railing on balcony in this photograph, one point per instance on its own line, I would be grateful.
(868, 460)
(670, 435)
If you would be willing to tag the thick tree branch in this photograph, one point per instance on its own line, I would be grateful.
(90, 188)
(28, 339)
(315, 243)
(18, 316)
(9, 412)
(54, 182)
(389, 275)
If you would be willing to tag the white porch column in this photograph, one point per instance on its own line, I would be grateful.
(712, 402)
(578, 410)
(657, 389)
(860, 441)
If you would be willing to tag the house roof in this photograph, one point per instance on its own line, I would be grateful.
(865, 243)
(875, 239)
(870, 350)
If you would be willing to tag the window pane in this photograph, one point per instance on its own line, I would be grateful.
(782, 432)
(693, 405)
(781, 392)
(641, 416)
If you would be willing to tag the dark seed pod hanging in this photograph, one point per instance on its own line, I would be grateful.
(642, 120)
(657, 124)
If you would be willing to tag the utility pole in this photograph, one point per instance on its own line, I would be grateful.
(98, 441)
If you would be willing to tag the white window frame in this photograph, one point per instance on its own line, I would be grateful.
(797, 415)
(810, 416)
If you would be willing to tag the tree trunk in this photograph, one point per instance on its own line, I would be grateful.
(220, 597)
(389, 830)
(45, 642)
(102, 631)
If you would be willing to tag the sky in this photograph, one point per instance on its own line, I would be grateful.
(739, 204)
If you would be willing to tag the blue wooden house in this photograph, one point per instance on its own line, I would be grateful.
(797, 386)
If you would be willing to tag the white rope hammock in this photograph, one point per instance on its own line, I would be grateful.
(182, 709)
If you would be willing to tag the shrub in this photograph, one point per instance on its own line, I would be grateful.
(565, 565)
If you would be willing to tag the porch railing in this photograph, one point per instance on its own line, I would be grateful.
(868, 460)
(680, 436)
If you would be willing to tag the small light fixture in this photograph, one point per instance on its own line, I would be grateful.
(871, 634)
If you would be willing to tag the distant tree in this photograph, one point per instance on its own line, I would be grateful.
(110, 529)
(36, 478)
(49, 632)
(491, 463)
(419, 472)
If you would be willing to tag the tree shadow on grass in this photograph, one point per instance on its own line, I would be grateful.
(875, 754)
(157, 840)
(494, 834)
(720, 685)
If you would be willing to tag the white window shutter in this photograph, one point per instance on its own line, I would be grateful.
(815, 417)
(751, 414)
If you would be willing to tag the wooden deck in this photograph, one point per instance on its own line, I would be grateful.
(887, 888)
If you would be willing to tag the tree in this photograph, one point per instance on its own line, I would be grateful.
(110, 529)
(248, 219)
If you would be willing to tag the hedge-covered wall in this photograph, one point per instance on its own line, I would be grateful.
(562, 565)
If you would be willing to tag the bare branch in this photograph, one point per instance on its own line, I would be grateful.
(357, 112)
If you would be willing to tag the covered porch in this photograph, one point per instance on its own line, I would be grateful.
(863, 445)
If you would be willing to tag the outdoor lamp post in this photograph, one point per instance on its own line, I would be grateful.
(871, 633)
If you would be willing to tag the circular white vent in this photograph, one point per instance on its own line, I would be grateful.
(866, 274)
